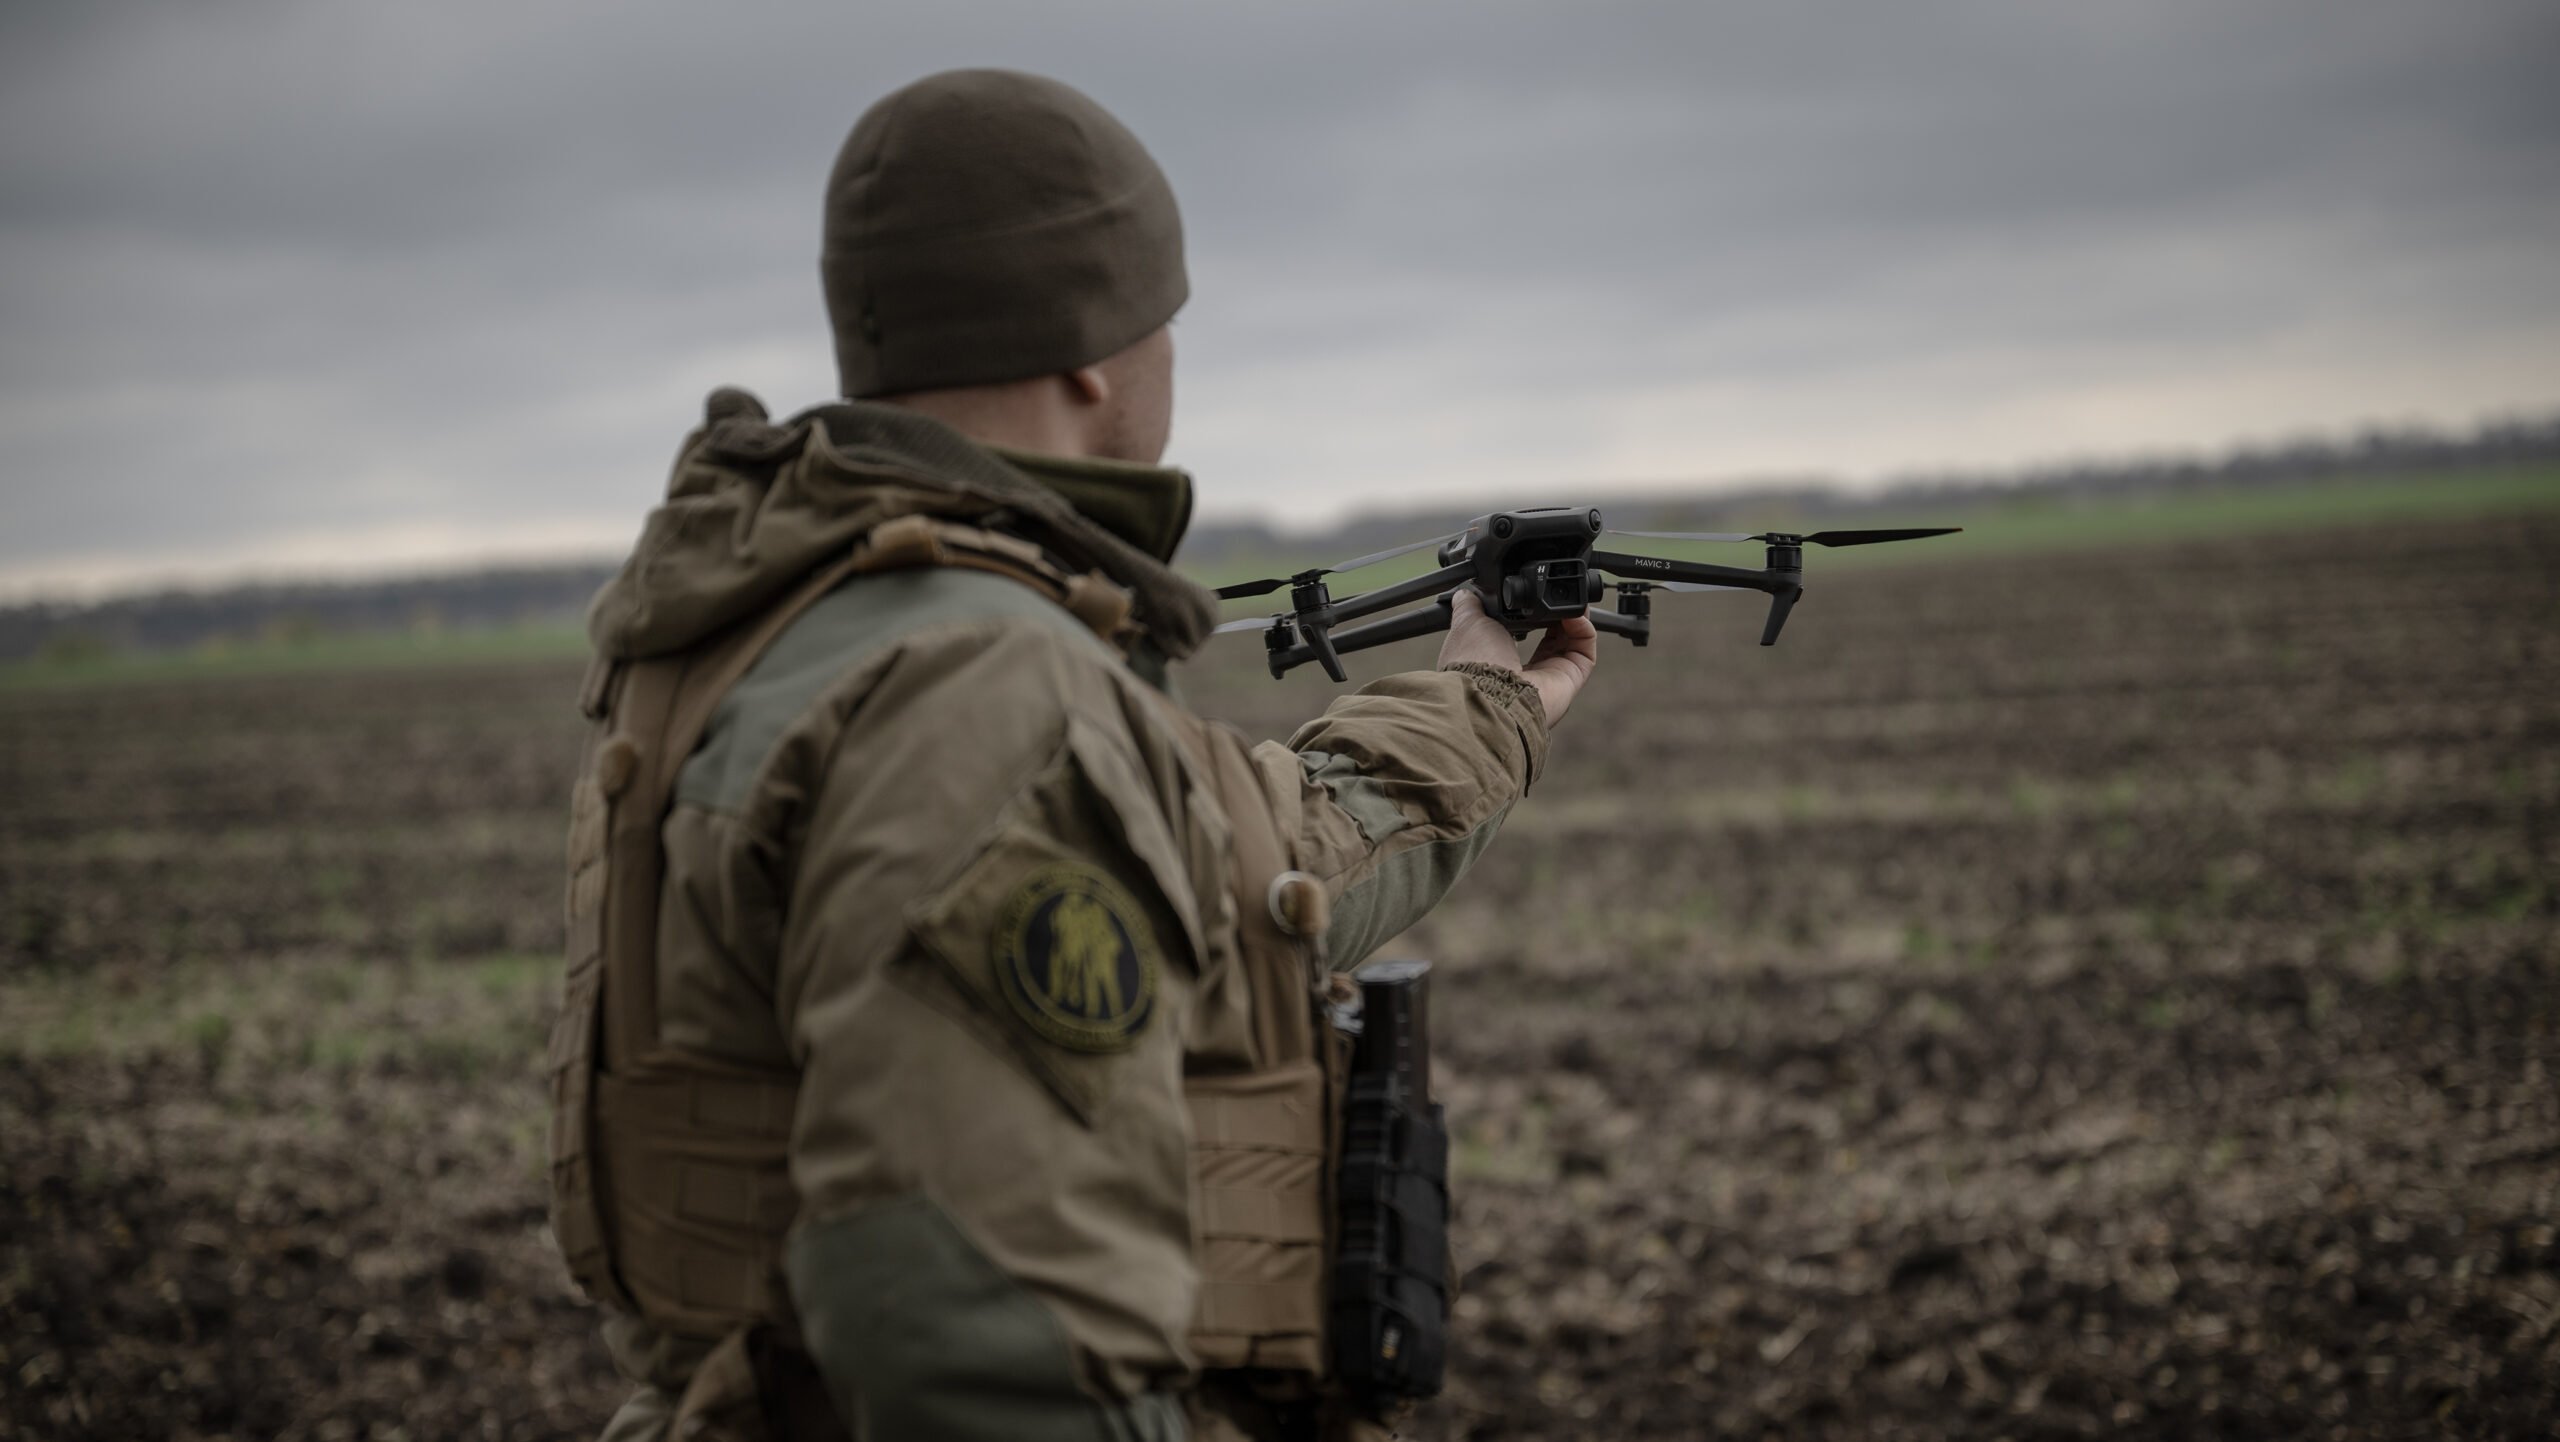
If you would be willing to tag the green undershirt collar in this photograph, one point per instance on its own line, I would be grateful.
(1147, 506)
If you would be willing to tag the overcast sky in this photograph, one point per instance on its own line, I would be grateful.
(291, 287)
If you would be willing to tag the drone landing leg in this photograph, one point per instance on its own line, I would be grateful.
(1780, 603)
(1320, 641)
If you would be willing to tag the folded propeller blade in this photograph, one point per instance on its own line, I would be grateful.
(1869, 538)
(1691, 586)
(1392, 552)
(1249, 623)
(1264, 587)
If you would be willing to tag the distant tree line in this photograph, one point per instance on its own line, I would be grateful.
(2376, 451)
(177, 620)
(186, 619)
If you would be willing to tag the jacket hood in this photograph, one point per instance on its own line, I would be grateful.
(753, 506)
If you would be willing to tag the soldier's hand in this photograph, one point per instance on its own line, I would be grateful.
(1562, 662)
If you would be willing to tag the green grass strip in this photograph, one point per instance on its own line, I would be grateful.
(328, 652)
(2031, 522)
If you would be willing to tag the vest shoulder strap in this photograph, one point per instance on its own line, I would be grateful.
(657, 714)
(649, 715)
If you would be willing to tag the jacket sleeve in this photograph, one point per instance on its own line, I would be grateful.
(1400, 786)
(994, 1239)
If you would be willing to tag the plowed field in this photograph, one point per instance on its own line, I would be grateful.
(2112, 994)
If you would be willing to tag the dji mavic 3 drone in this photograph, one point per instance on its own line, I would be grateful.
(1531, 568)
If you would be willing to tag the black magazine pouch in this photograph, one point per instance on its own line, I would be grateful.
(1390, 1308)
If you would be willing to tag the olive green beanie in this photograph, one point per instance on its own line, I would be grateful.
(987, 225)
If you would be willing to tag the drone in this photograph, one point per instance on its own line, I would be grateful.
(1531, 568)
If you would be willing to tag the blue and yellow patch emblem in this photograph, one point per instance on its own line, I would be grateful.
(1075, 957)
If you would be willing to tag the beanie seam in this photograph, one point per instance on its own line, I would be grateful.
(874, 239)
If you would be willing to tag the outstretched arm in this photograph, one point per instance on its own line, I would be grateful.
(1403, 783)
(1564, 659)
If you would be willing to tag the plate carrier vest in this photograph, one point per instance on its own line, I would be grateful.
(671, 1196)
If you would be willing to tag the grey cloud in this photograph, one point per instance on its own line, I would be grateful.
(310, 265)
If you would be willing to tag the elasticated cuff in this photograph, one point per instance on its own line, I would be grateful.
(1516, 696)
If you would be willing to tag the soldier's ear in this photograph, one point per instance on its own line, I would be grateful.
(1089, 385)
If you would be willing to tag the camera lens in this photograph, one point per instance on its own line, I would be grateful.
(1559, 585)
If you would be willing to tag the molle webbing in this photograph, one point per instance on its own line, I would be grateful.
(621, 1112)
(670, 1186)
(1262, 1138)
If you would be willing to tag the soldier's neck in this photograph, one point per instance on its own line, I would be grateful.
(1029, 415)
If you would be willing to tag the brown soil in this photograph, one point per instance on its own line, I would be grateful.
(2115, 994)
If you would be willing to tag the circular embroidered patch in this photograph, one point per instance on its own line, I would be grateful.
(1075, 958)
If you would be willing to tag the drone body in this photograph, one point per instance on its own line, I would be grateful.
(1531, 568)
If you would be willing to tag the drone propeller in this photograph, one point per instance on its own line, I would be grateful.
(1249, 623)
(1818, 538)
(1267, 585)
(1869, 538)
(1689, 586)
(1263, 587)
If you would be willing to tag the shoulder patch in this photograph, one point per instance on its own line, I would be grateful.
(1076, 959)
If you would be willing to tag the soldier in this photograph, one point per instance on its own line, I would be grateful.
(942, 1053)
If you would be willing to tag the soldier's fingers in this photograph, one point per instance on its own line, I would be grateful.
(1477, 637)
(1572, 636)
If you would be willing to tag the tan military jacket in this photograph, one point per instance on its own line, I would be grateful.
(946, 856)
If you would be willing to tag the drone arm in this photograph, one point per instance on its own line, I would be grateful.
(1783, 586)
(1636, 628)
(1420, 621)
(1658, 568)
(1387, 598)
